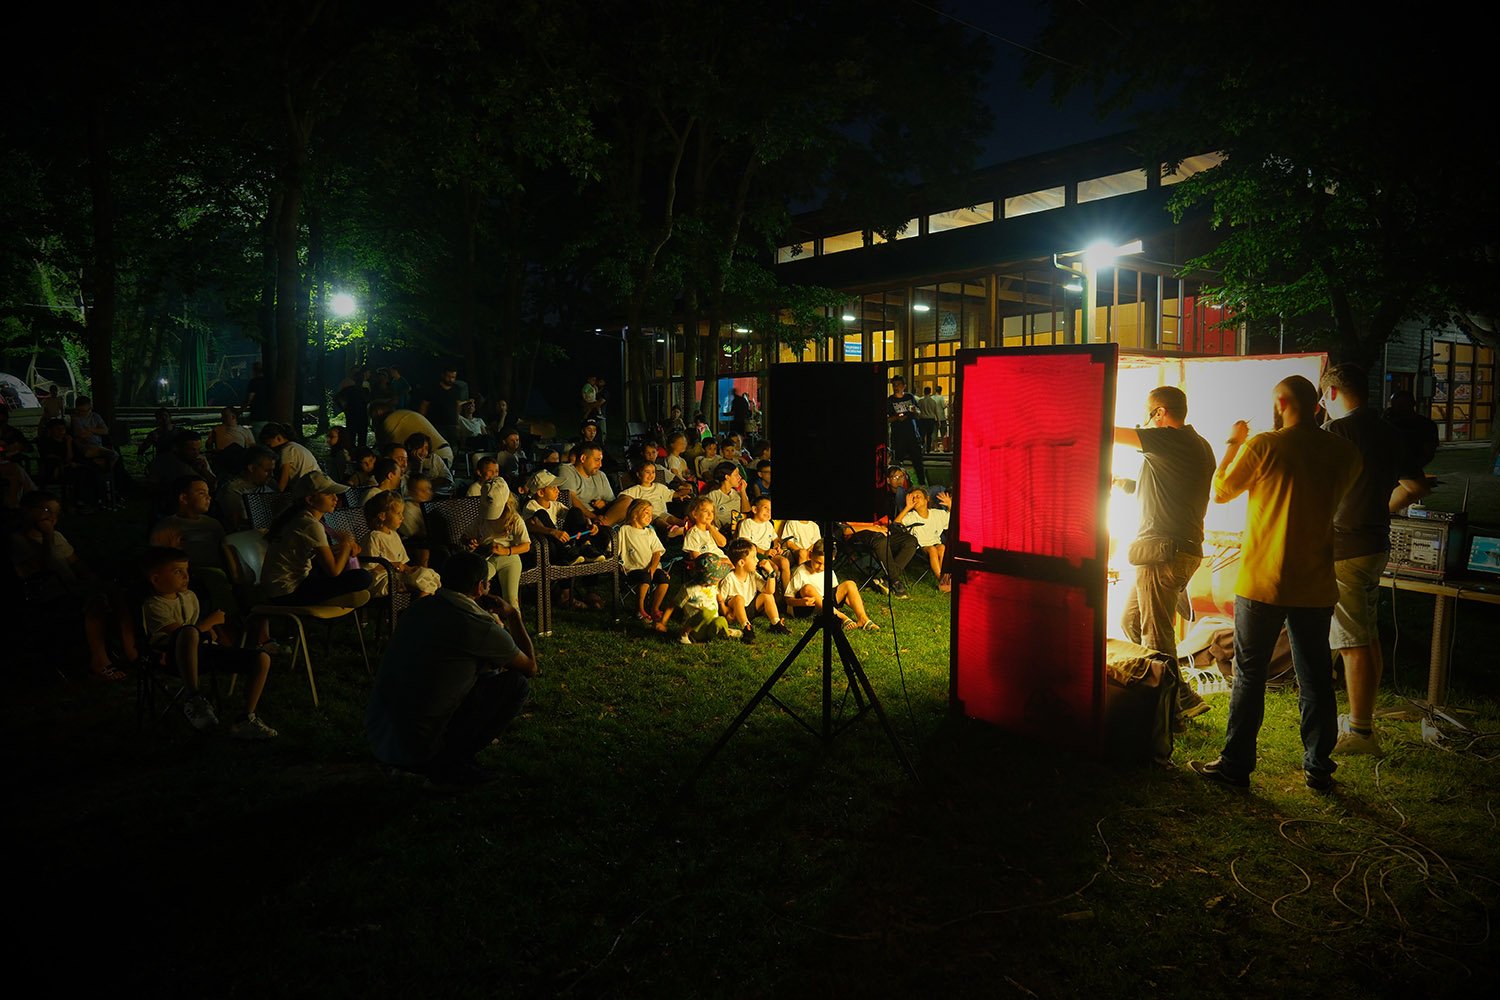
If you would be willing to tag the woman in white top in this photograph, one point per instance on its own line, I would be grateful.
(927, 526)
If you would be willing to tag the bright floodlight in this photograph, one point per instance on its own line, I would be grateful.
(343, 304)
(1100, 254)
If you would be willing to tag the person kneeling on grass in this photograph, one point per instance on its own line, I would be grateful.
(805, 593)
(174, 627)
(452, 679)
(700, 602)
(743, 592)
(640, 557)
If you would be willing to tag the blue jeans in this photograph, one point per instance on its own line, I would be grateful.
(1256, 628)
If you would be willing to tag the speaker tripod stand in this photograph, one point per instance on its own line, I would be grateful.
(859, 686)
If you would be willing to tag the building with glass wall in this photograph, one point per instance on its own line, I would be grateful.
(997, 261)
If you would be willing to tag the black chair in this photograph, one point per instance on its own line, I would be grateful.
(262, 508)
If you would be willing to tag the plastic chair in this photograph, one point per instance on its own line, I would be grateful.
(262, 508)
(244, 558)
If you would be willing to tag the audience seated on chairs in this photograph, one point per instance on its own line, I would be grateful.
(91, 444)
(588, 488)
(340, 460)
(648, 488)
(424, 462)
(472, 435)
(511, 459)
(492, 486)
(302, 566)
(797, 537)
(702, 536)
(641, 552)
(728, 496)
(760, 486)
(361, 467)
(176, 627)
(804, 595)
(55, 580)
(453, 677)
(384, 512)
(159, 438)
(503, 541)
(891, 549)
(743, 592)
(254, 476)
(568, 533)
(387, 475)
(706, 461)
(79, 481)
(229, 432)
(181, 456)
(679, 473)
(760, 531)
(927, 526)
(396, 453)
(295, 461)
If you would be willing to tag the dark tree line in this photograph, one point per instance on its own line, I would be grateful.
(483, 174)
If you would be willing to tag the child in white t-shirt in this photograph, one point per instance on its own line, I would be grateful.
(743, 592)
(640, 557)
(702, 535)
(762, 534)
(383, 513)
(805, 593)
(797, 537)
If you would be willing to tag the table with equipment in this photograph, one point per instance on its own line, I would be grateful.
(1446, 595)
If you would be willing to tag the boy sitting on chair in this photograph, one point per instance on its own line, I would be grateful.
(173, 626)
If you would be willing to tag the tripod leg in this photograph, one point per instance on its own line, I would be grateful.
(739, 720)
(857, 672)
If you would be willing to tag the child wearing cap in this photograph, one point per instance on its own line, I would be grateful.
(701, 620)
(302, 565)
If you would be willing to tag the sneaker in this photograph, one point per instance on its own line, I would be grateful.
(1214, 771)
(599, 558)
(252, 728)
(879, 585)
(898, 589)
(1319, 782)
(779, 628)
(578, 560)
(735, 633)
(1353, 743)
(748, 637)
(685, 638)
(199, 712)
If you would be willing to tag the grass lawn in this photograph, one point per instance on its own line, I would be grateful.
(195, 865)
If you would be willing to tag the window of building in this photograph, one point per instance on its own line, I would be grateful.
(909, 229)
(958, 218)
(794, 251)
(1036, 201)
(840, 242)
(1113, 185)
(1189, 166)
(1463, 391)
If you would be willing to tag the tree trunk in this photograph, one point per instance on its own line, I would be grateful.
(467, 265)
(319, 306)
(100, 318)
(288, 283)
(690, 318)
(266, 313)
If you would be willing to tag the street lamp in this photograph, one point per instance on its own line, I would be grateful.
(343, 305)
(1096, 256)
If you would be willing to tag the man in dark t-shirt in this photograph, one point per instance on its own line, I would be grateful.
(442, 402)
(453, 677)
(906, 437)
(1390, 479)
(1176, 476)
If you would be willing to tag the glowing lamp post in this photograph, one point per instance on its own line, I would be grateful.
(343, 305)
(1097, 256)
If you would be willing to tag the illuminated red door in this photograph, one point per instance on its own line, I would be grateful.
(1029, 541)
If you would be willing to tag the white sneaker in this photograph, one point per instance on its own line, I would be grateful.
(253, 728)
(685, 638)
(1353, 743)
(734, 633)
(199, 712)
